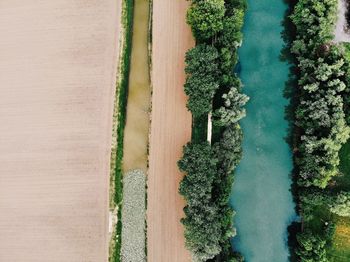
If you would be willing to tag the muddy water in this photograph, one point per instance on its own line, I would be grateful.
(137, 118)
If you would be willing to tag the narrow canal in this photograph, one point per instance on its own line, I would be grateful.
(139, 93)
(261, 192)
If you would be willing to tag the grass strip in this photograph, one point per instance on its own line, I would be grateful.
(122, 96)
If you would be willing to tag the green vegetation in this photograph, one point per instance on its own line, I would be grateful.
(339, 250)
(312, 248)
(122, 94)
(340, 204)
(206, 18)
(212, 87)
(344, 155)
(321, 131)
(202, 221)
(320, 112)
(201, 81)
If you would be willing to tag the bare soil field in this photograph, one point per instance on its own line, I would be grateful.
(170, 130)
(57, 78)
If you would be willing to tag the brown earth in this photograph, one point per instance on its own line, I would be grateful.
(57, 78)
(170, 130)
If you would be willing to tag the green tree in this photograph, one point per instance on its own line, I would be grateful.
(233, 109)
(200, 90)
(203, 221)
(311, 248)
(205, 18)
(341, 204)
(201, 81)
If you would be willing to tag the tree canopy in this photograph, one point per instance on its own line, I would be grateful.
(202, 79)
(205, 18)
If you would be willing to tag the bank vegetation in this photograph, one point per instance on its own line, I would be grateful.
(212, 87)
(321, 126)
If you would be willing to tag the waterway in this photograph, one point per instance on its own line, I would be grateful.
(139, 94)
(261, 192)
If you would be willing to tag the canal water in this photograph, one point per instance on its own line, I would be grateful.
(261, 193)
(139, 93)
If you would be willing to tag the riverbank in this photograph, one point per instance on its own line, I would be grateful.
(261, 193)
(119, 116)
(133, 127)
(318, 143)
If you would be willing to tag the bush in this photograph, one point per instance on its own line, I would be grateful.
(311, 248)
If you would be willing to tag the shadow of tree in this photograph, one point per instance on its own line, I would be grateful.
(291, 93)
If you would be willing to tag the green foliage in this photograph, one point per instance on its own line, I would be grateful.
(231, 34)
(122, 89)
(233, 109)
(205, 18)
(341, 204)
(315, 20)
(207, 184)
(311, 248)
(201, 81)
(321, 122)
(322, 83)
(228, 149)
(199, 163)
(310, 200)
(201, 90)
(202, 221)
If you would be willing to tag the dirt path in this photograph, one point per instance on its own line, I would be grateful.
(170, 130)
(57, 77)
(340, 33)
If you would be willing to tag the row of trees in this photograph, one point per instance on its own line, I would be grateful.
(321, 126)
(212, 86)
(322, 86)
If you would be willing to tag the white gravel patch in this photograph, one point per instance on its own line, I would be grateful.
(341, 32)
(133, 214)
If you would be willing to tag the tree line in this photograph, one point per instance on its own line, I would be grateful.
(212, 86)
(321, 124)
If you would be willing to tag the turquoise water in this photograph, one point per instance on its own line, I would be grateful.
(261, 192)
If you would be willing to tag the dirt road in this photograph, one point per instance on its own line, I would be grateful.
(170, 130)
(57, 78)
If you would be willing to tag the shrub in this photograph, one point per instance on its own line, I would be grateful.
(311, 248)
